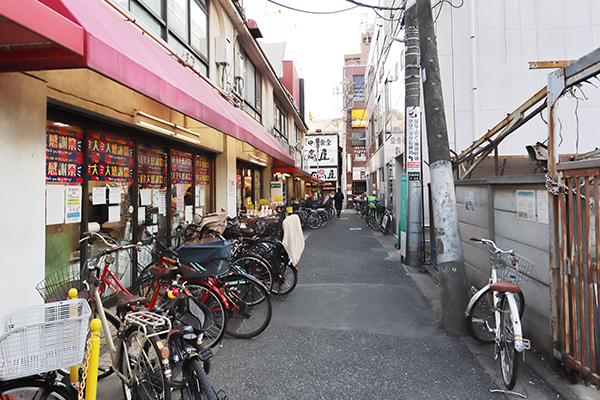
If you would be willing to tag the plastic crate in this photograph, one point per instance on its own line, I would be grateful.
(43, 338)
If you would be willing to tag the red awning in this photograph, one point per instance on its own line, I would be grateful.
(117, 50)
(297, 172)
(31, 33)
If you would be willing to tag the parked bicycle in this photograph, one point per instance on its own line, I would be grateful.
(240, 304)
(37, 341)
(130, 345)
(494, 312)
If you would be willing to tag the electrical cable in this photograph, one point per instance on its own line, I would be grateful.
(312, 12)
(376, 7)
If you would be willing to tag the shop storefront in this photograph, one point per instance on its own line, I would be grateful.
(249, 181)
(120, 182)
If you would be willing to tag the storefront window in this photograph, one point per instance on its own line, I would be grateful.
(110, 179)
(182, 199)
(64, 178)
(203, 185)
(152, 186)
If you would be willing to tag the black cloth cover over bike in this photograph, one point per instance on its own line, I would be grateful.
(203, 252)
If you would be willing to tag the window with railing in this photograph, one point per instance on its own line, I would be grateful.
(183, 24)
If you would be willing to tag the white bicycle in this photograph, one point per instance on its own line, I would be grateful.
(494, 312)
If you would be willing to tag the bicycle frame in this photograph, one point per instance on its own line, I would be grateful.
(141, 319)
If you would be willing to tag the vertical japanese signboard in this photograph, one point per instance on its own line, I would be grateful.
(322, 157)
(413, 143)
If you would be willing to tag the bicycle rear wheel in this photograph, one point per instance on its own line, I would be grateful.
(31, 388)
(251, 311)
(510, 358)
(256, 266)
(285, 281)
(142, 356)
(314, 221)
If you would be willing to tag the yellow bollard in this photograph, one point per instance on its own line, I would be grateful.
(91, 385)
(74, 370)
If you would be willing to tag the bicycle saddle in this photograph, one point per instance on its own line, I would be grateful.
(126, 301)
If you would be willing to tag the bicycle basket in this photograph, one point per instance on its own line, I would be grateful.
(380, 208)
(203, 252)
(43, 338)
(515, 274)
(56, 286)
(191, 312)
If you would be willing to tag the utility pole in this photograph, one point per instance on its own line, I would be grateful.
(412, 100)
(447, 237)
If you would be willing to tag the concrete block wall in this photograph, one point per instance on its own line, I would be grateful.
(493, 215)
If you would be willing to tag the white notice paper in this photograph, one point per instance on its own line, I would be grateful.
(114, 195)
(526, 205)
(146, 197)
(141, 215)
(542, 206)
(55, 204)
(99, 195)
(114, 213)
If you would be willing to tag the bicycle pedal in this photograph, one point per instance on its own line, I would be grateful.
(205, 353)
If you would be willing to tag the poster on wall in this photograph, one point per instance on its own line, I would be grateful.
(64, 154)
(73, 204)
(413, 143)
(152, 168)
(110, 159)
(526, 205)
(470, 200)
(181, 165)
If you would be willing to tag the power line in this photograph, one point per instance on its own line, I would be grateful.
(312, 12)
(376, 7)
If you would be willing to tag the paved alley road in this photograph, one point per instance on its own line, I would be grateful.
(356, 327)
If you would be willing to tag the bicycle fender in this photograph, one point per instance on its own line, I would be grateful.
(520, 342)
(476, 297)
(245, 276)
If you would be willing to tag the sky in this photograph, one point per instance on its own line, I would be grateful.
(321, 41)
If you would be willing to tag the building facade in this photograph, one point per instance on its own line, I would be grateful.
(129, 116)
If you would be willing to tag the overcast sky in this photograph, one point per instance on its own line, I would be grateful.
(321, 41)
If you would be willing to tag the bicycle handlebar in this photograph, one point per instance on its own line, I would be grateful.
(492, 244)
(112, 247)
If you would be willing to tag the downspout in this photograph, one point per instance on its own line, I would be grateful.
(474, 73)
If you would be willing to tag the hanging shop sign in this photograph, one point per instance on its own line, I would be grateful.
(110, 159)
(64, 154)
(413, 143)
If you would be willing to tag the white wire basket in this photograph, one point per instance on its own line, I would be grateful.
(519, 273)
(43, 338)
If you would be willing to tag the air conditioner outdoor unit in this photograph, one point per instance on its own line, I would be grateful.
(222, 50)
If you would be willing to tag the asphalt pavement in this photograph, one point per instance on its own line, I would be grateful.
(361, 325)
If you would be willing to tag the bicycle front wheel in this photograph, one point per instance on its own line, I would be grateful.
(192, 383)
(510, 358)
(481, 322)
(250, 307)
(31, 388)
(143, 367)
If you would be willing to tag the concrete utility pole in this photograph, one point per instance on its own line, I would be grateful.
(412, 99)
(447, 237)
